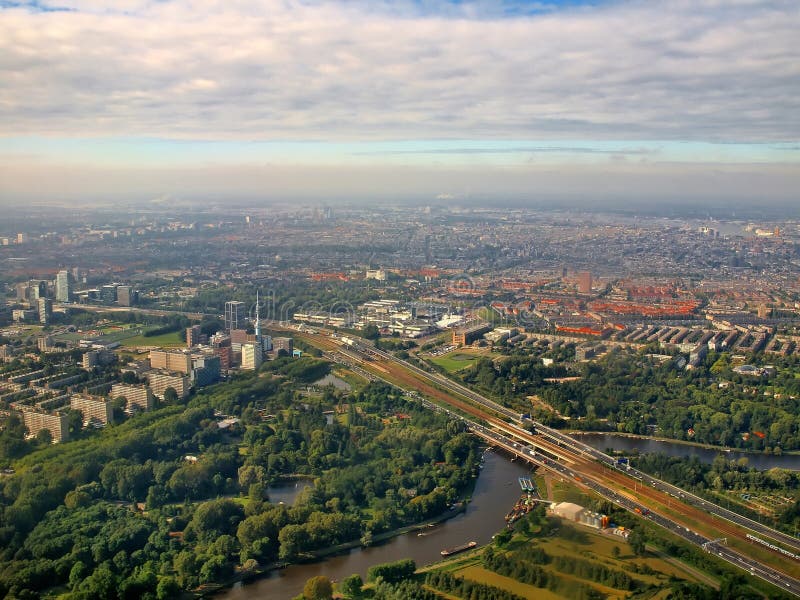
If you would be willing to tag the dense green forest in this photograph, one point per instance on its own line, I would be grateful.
(168, 500)
(635, 393)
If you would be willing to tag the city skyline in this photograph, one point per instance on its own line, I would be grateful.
(438, 101)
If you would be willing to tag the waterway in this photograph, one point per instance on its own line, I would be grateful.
(495, 492)
(285, 493)
(763, 462)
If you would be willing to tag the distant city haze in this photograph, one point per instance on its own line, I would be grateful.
(561, 103)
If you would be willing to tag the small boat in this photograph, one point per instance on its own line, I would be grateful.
(429, 526)
(457, 549)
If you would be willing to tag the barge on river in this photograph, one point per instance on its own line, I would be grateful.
(457, 549)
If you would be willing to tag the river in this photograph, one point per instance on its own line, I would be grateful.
(762, 462)
(496, 490)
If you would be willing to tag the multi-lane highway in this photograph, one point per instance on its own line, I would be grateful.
(512, 446)
(687, 497)
(690, 517)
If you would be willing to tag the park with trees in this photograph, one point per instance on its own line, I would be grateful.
(169, 501)
(636, 392)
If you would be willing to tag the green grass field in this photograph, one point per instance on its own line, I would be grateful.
(127, 335)
(166, 340)
(454, 361)
(590, 546)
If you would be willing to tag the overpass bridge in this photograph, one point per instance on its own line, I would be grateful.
(527, 440)
(516, 449)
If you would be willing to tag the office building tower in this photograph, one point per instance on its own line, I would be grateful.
(126, 296)
(234, 315)
(584, 282)
(221, 345)
(240, 336)
(205, 369)
(22, 290)
(36, 290)
(45, 310)
(251, 356)
(62, 286)
(225, 354)
(108, 294)
(194, 336)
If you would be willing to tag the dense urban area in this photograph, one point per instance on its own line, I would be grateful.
(164, 372)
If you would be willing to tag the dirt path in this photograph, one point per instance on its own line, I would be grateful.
(548, 482)
(702, 577)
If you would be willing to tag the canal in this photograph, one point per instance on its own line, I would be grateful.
(496, 490)
(762, 462)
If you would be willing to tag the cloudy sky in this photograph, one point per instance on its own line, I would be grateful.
(675, 100)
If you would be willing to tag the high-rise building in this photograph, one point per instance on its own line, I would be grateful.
(234, 315)
(139, 397)
(225, 354)
(96, 410)
(585, 282)
(126, 296)
(171, 360)
(205, 369)
(159, 382)
(194, 336)
(108, 294)
(62, 286)
(251, 356)
(283, 343)
(22, 290)
(97, 358)
(240, 336)
(36, 290)
(45, 310)
(221, 345)
(56, 424)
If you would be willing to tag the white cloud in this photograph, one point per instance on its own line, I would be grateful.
(210, 69)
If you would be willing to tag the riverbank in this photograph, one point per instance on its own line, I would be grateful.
(495, 490)
(637, 436)
(310, 557)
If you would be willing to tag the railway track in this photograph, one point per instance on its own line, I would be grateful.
(493, 415)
